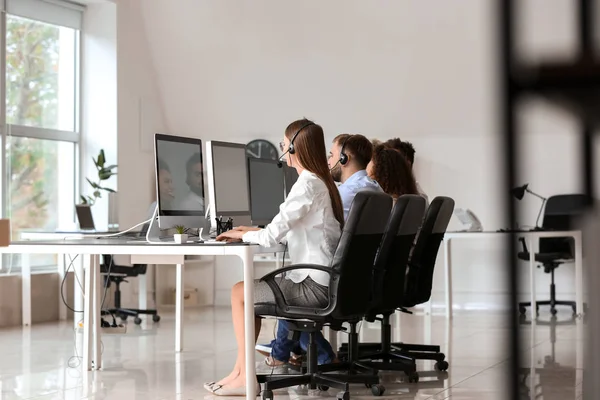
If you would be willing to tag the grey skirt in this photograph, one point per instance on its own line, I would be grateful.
(307, 293)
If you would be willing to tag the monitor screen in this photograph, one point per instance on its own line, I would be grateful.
(291, 176)
(266, 189)
(179, 175)
(230, 178)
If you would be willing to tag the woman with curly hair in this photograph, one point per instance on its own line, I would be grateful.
(393, 173)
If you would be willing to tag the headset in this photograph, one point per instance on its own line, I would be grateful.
(343, 156)
(343, 160)
(291, 149)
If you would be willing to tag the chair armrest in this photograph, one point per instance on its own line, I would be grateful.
(279, 271)
(270, 279)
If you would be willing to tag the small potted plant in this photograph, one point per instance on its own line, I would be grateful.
(180, 236)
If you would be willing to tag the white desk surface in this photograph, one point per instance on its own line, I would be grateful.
(127, 247)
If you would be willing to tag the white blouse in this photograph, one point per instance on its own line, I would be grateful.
(306, 221)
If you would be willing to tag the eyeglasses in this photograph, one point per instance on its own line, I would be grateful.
(282, 145)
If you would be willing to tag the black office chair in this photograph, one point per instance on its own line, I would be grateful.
(559, 215)
(117, 274)
(419, 282)
(389, 275)
(350, 291)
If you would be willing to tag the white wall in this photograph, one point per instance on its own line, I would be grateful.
(420, 70)
(99, 95)
(139, 114)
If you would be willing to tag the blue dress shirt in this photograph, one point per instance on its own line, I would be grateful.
(359, 181)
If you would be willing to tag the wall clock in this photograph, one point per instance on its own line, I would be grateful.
(261, 148)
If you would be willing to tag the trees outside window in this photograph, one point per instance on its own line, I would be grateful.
(41, 115)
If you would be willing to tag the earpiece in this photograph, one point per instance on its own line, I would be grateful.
(291, 149)
(344, 156)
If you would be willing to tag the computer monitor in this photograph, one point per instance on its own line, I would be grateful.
(291, 176)
(266, 189)
(227, 175)
(179, 181)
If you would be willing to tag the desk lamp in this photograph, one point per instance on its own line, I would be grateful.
(518, 194)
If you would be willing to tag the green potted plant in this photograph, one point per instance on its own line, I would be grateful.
(180, 235)
(105, 172)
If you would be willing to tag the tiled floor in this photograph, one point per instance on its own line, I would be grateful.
(41, 362)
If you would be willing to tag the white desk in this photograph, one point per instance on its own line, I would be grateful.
(531, 238)
(93, 248)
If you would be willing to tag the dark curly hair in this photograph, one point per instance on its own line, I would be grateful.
(406, 148)
(393, 173)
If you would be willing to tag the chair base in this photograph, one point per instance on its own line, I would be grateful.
(123, 313)
(322, 377)
(349, 373)
(390, 356)
(400, 356)
(551, 303)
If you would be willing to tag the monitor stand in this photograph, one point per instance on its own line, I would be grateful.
(153, 233)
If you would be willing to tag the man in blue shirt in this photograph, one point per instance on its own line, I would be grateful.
(348, 159)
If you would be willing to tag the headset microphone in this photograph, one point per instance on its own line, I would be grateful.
(331, 169)
(291, 148)
(280, 160)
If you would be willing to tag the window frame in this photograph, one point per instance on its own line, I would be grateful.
(14, 130)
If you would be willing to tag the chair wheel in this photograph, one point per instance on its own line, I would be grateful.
(377, 390)
(413, 377)
(123, 317)
(522, 310)
(137, 320)
(343, 396)
(267, 394)
(323, 388)
(441, 366)
(553, 311)
(156, 318)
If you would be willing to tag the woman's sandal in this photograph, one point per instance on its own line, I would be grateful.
(240, 391)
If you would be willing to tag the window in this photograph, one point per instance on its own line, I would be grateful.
(40, 74)
(41, 119)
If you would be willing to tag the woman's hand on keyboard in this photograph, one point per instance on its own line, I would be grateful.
(231, 236)
(245, 229)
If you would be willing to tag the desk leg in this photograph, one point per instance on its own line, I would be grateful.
(62, 308)
(179, 308)
(78, 289)
(248, 263)
(26, 289)
(87, 316)
(98, 294)
(448, 269)
(532, 280)
(143, 291)
(579, 274)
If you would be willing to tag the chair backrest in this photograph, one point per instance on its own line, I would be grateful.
(560, 214)
(422, 261)
(350, 290)
(108, 266)
(389, 270)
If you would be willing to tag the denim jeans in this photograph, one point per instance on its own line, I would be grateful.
(281, 347)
